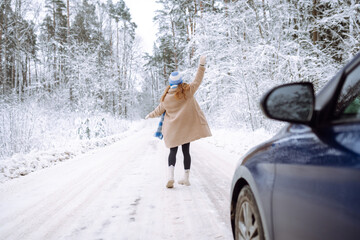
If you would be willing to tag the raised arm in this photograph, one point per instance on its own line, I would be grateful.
(199, 76)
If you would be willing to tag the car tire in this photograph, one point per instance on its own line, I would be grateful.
(248, 223)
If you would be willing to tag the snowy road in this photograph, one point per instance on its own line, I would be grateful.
(118, 192)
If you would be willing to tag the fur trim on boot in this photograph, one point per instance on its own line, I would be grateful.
(185, 180)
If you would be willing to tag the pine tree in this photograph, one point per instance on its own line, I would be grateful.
(85, 28)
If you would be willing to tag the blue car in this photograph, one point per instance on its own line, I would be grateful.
(304, 183)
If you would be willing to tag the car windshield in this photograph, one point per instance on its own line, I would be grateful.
(348, 105)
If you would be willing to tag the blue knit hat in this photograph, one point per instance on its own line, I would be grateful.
(175, 78)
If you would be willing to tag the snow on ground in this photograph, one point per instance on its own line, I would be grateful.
(238, 141)
(23, 164)
(118, 192)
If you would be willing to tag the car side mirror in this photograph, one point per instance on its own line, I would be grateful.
(292, 102)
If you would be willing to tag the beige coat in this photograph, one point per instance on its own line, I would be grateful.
(184, 121)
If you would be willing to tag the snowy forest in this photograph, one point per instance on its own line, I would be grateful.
(75, 69)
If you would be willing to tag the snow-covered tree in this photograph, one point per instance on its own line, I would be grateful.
(254, 45)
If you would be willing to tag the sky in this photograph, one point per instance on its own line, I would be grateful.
(142, 13)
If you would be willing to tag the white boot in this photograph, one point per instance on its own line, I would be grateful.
(185, 180)
(170, 182)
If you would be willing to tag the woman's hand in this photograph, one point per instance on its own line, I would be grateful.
(202, 60)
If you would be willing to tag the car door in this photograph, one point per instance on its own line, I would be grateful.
(317, 175)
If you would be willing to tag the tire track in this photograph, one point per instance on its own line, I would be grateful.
(215, 181)
(84, 187)
(119, 192)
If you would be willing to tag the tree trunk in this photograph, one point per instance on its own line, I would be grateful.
(164, 69)
(12, 77)
(29, 76)
(68, 20)
(189, 32)
(118, 70)
(124, 72)
(264, 10)
(226, 7)
(111, 41)
(16, 74)
(117, 51)
(4, 30)
(54, 62)
(113, 104)
(36, 74)
(174, 43)
(257, 19)
(26, 79)
(2, 16)
(249, 106)
(314, 13)
(192, 28)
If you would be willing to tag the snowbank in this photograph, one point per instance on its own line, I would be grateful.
(23, 164)
(238, 141)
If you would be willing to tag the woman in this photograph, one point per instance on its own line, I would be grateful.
(184, 121)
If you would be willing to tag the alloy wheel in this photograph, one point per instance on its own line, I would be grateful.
(248, 224)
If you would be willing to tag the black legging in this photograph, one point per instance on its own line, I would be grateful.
(187, 158)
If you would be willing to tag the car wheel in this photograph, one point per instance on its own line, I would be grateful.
(248, 224)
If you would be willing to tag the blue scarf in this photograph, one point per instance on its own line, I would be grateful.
(158, 133)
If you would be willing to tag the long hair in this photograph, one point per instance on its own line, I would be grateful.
(179, 93)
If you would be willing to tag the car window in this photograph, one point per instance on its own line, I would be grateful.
(348, 104)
